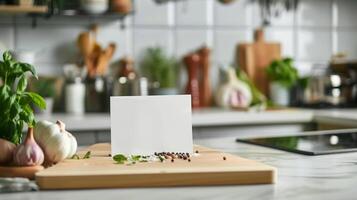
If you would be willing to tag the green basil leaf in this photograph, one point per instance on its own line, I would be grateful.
(120, 158)
(135, 157)
(36, 99)
(7, 56)
(21, 86)
(28, 68)
(15, 110)
(87, 155)
(27, 115)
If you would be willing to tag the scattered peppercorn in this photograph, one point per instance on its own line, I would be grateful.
(110, 155)
(172, 160)
(189, 160)
(196, 151)
(224, 158)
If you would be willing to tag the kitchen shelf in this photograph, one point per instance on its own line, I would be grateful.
(16, 9)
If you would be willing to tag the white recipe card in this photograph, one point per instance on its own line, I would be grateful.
(142, 125)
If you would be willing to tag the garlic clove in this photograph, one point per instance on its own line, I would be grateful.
(28, 153)
(57, 143)
(7, 149)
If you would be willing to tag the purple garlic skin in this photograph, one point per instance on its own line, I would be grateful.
(28, 153)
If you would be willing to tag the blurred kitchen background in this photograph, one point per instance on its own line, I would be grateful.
(88, 50)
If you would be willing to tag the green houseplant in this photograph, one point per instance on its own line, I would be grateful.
(161, 70)
(46, 88)
(283, 76)
(15, 101)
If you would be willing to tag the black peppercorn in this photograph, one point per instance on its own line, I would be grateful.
(196, 151)
(224, 158)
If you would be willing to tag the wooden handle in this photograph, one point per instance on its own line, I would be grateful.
(259, 35)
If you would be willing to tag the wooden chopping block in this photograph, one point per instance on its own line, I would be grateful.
(254, 57)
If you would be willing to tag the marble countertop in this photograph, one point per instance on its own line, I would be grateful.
(345, 117)
(204, 117)
(220, 117)
(299, 177)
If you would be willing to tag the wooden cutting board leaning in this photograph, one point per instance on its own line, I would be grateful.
(208, 167)
(254, 57)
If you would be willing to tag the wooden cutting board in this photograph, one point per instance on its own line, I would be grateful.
(254, 57)
(207, 168)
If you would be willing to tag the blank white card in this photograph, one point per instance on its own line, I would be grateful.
(142, 125)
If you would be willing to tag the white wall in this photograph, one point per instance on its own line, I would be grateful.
(318, 29)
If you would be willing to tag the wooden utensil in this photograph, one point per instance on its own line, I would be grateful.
(205, 84)
(192, 62)
(104, 59)
(254, 57)
(100, 171)
(85, 44)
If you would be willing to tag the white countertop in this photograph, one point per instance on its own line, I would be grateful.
(220, 117)
(300, 177)
(204, 117)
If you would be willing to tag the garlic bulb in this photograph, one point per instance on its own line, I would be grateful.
(6, 151)
(28, 153)
(234, 93)
(55, 141)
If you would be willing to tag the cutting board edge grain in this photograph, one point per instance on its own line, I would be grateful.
(156, 180)
(250, 172)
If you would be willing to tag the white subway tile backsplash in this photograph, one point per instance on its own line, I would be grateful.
(347, 43)
(190, 40)
(304, 68)
(315, 13)
(53, 44)
(225, 45)
(6, 38)
(145, 38)
(307, 34)
(347, 13)
(193, 12)
(314, 45)
(5, 19)
(147, 12)
(121, 37)
(285, 37)
(238, 13)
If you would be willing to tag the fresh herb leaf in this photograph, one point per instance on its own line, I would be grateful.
(283, 72)
(28, 68)
(21, 86)
(87, 155)
(120, 158)
(14, 101)
(135, 157)
(36, 99)
(7, 56)
(75, 156)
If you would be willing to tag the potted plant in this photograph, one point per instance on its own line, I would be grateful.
(46, 88)
(161, 71)
(15, 101)
(283, 76)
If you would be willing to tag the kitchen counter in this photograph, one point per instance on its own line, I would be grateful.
(299, 177)
(343, 117)
(220, 117)
(200, 118)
